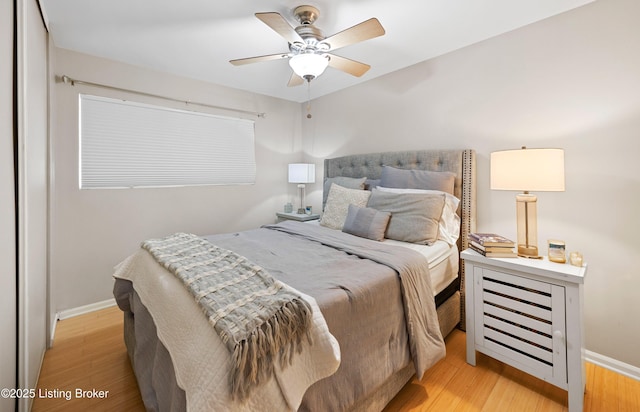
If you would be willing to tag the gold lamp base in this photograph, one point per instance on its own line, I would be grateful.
(527, 226)
(529, 252)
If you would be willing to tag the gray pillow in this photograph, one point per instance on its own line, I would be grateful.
(417, 179)
(348, 182)
(366, 222)
(414, 217)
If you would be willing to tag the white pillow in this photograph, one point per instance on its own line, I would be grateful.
(449, 226)
(337, 207)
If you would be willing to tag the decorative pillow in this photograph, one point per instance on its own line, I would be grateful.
(338, 201)
(348, 182)
(366, 222)
(414, 217)
(417, 179)
(449, 225)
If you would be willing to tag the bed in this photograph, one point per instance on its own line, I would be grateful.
(365, 379)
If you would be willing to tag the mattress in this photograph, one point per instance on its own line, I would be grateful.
(443, 261)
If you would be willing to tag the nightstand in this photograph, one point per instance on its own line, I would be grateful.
(528, 313)
(303, 217)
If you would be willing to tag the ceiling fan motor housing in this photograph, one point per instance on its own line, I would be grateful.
(311, 35)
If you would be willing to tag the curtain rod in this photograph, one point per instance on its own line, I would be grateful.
(68, 80)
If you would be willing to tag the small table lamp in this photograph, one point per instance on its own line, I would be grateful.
(528, 170)
(302, 173)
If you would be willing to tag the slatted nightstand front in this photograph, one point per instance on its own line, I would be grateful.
(528, 314)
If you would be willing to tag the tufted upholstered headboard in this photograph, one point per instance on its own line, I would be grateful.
(460, 162)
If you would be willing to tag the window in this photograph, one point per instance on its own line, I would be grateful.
(125, 144)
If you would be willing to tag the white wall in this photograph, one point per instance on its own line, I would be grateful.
(93, 230)
(7, 210)
(32, 195)
(571, 81)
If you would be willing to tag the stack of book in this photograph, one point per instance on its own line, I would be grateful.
(492, 245)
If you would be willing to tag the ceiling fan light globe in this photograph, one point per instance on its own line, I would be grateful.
(309, 65)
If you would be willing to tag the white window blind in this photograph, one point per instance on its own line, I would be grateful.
(127, 144)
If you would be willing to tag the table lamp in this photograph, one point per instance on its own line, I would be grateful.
(528, 170)
(302, 173)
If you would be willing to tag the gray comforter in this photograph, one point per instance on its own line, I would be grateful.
(384, 290)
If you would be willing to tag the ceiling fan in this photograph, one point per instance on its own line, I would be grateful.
(309, 51)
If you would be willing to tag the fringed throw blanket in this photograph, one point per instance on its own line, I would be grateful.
(258, 319)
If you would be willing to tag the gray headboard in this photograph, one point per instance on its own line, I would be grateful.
(460, 162)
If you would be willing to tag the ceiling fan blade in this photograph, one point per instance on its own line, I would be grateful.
(295, 80)
(360, 32)
(248, 60)
(280, 26)
(352, 67)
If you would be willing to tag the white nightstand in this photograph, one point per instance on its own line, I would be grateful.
(528, 313)
(303, 217)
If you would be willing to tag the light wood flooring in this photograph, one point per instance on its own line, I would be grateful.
(89, 353)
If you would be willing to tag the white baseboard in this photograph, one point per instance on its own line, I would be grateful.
(81, 310)
(622, 368)
(53, 330)
(69, 313)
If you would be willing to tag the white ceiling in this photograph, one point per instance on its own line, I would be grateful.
(197, 38)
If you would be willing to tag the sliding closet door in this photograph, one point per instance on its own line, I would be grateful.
(32, 194)
(7, 210)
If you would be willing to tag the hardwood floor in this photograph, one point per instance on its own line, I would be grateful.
(454, 385)
(89, 354)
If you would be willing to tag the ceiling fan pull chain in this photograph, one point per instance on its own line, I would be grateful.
(309, 99)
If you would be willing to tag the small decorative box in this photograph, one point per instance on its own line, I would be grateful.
(557, 251)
